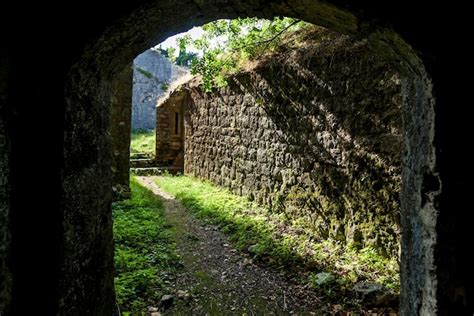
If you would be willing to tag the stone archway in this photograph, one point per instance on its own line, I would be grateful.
(84, 263)
(417, 93)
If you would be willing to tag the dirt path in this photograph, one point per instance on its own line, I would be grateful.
(218, 280)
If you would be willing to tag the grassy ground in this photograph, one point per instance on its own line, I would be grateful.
(329, 266)
(144, 252)
(143, 142)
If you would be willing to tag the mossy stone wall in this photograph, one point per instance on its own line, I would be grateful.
(313, 132)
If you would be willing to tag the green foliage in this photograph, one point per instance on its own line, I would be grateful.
(144, 253)
(143, 142)
(251, 36)
(169, 53)
(184, 57)
(227, 44)
(147, 74)
(271, 238)
(213, 67)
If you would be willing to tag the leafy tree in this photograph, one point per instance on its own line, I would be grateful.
(185, 58)
(227, 44)
(168, 52)
(161, 50)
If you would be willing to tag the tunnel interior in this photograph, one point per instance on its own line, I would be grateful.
(57, 248)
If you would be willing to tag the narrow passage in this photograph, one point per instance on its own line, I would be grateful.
(218, 280)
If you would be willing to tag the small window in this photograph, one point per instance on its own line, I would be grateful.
(176, 123)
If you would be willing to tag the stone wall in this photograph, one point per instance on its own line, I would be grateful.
(169, 130)
(313, 132)
(152, 74)
(121, 112)
(5, 226)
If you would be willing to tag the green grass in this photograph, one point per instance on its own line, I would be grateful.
(281, 243)
(144, 253)
(143, 142)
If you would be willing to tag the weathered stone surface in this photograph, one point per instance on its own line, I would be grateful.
(166, 301)
(5, 225)
(152, 74)
(373, 294)
(170, 130)
(87, 250)
(313, 133)
(142, 163)
(121, 90)
(154, 171)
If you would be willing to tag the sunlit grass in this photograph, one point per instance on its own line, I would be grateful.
(144, 251)
(271, 239)
(143, 142)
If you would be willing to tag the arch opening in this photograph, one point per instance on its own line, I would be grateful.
(405, 68)
(417, 91)
(230, 155)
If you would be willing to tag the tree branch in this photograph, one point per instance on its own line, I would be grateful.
(278, 34)
(268, 41)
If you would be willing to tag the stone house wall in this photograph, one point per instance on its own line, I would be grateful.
(313, 133)
(170, 130)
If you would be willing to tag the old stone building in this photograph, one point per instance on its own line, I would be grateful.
(170, 130)
(152, 75)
